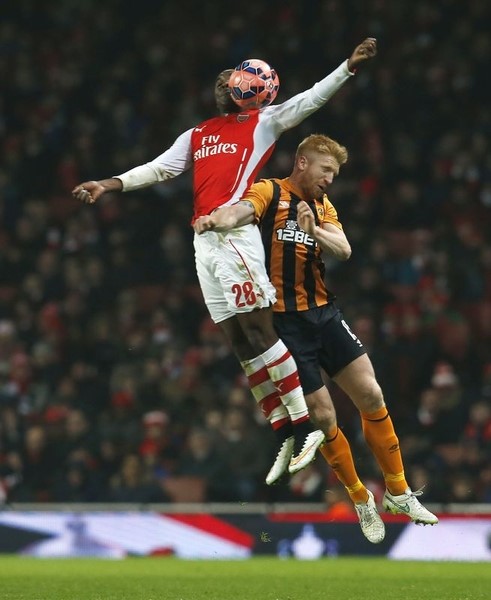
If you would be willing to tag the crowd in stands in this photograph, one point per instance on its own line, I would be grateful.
(114, 384)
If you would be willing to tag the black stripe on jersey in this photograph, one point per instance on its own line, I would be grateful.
(268, 225)
(320, 263)
(290, 262)
(309, 283)
(315, 261)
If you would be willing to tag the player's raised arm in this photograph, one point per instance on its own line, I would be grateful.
(296, 109)
(367, 49)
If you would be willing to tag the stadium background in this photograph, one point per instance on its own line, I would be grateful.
(114, 385)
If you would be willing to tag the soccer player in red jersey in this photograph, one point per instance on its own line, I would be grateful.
(226, 153)
(298, 225)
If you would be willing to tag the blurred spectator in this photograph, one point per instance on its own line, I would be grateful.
(431, 483)
(108, 459)
(77, 484)
(201, 458)
(158, 448)
(441, 412)
(37, 465)
(462, 489)
(478, 427)
(248, 456)
(484, 484)
(78, 436)
(133, 483)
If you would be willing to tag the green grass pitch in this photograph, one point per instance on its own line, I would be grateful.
(254, 579)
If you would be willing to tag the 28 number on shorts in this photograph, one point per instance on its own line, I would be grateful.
(244, 294)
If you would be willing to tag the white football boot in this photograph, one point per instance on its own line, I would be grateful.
(281, 461)
(371, 524)
(305, 449)
(407, 504)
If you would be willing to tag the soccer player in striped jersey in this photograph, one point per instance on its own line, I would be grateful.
(298, 224)
(226, 153)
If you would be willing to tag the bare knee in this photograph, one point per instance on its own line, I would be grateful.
(242, 349)
(238, 339)
(258, 329)
(321, 410)
(370, 397)
(259, 338)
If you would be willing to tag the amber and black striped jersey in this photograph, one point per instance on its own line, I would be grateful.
(293, 258)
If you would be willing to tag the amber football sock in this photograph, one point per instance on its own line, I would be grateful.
(380, 436)
(337, 452)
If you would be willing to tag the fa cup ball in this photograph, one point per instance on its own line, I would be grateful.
(253, 84)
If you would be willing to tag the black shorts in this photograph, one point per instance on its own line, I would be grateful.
(318, 338)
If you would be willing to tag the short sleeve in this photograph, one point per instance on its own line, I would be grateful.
(260, 195)
(330, 214)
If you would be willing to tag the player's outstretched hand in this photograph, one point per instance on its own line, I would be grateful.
(89, 191)
(367, 49)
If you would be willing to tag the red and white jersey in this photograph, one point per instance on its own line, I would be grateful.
(227, 152)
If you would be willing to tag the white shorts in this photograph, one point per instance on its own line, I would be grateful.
(232, 273)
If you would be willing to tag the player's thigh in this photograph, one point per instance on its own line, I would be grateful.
(241, 270)
(232, 270)
(358, 381)
(302, 341)
(345, 360)
(340, 346)
(211, 287)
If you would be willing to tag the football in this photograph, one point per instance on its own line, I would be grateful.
(253, 84)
